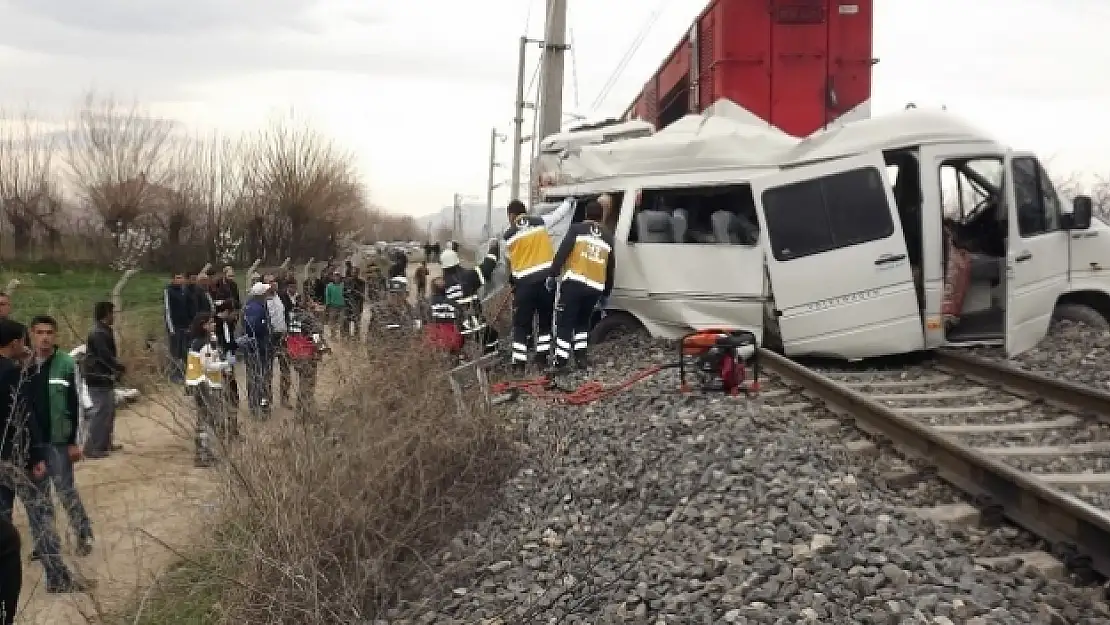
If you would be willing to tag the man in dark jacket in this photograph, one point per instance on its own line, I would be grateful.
(53, 387)
(354, 296)
(21, 445)
(178, 311)
(258, 349)
(102, 370)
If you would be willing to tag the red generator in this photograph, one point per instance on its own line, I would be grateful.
(719, 360)
(797, 64)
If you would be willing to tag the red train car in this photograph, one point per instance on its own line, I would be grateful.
(798, 64)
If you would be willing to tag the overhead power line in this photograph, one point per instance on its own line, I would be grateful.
(638, 41)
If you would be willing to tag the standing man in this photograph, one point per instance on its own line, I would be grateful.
(258, 351)
(529, 252)
(22, 445)
(53, 389)
(422, 280)
(334, 303)
(584, 266)
(102, 370)
(177, 305)
(278, 307)
(354, 296)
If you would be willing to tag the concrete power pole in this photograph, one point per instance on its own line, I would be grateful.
(456, 217)
(518, 118)
(555, 47)
(494, 137)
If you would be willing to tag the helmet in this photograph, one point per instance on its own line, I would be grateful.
(398, 284)
(449, 259)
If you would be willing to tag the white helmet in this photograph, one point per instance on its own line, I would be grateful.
(449, 259)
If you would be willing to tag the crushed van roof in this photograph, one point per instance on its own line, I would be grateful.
(725, 135)
(885, 132)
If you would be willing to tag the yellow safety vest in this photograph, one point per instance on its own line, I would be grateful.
(588, 262)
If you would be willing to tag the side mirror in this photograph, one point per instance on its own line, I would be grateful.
(1080, 218)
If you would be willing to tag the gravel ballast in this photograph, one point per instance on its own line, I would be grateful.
(655, 507)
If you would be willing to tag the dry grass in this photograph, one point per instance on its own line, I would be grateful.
(324, 522)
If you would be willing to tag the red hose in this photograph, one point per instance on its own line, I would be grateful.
(587, 393)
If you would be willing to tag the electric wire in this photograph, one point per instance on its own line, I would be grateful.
(634, 47)
(574, 71)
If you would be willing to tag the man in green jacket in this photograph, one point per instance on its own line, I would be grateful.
(334, 302)
(55, 405)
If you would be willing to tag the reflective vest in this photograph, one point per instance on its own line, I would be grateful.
(528, 247)
(204, 366)
(588, 261)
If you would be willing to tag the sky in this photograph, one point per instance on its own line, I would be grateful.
(413, 88)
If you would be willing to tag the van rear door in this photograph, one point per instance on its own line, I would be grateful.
(836, 256)
(1036, 253)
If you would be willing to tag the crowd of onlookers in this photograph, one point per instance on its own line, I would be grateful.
(211, 325)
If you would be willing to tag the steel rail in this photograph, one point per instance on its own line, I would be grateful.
(1065, 521)
(1092, 401)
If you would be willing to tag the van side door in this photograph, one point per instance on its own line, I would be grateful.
(837, 259)
(1036, 253)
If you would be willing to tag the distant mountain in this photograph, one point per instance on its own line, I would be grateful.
(473, 222)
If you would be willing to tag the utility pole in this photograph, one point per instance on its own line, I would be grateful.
(555, 47)
(518, 119)
(456, 217)
(494, 137)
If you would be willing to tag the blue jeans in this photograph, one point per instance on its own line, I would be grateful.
(60, 469)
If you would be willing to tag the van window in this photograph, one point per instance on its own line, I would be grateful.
(1038, 206)
(828, 213)
(610, 219)
(720, 214)
(969, 186)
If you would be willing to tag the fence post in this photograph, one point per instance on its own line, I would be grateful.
(117, 291)
(307, 269)
(14, 282)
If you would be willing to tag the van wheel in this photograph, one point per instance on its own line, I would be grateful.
(1082, 314)
(614, 324)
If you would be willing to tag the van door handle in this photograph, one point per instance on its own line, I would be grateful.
(1022, 257)
(886, 259)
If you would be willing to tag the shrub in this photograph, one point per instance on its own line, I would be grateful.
(323, 522)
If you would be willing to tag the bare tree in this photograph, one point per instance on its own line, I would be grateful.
(302, 188)
(119, 161)
(28, 194)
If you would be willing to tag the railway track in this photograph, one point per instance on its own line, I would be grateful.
(1031, 448)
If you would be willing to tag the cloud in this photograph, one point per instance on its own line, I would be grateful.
(160, 17)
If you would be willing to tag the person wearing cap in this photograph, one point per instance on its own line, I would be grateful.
(462, 289)
(258, 350)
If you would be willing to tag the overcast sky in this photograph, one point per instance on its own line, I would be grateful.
(414, 87)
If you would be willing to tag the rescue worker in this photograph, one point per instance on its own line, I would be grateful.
(462, 289)
(584, 266)
(442, 327)
(204, 371)
(306, 346)
(529, 252)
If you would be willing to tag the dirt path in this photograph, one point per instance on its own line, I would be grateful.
(149, 489)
